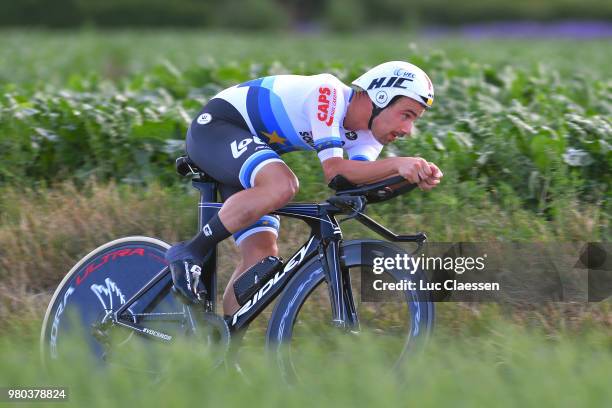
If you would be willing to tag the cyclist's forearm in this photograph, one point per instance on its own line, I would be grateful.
(360, 172)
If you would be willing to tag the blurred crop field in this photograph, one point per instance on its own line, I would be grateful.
(40, 57)
(90, 124)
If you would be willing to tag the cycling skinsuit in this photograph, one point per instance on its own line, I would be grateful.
(249, 125)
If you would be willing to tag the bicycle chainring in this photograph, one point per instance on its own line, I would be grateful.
(212, 331)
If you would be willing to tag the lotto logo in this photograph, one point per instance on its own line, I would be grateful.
(207, 231)
(239, 148)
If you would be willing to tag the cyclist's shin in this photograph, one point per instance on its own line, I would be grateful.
(212, 233)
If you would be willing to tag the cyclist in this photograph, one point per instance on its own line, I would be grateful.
(240, 134)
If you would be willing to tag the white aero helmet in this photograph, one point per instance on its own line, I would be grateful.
(386, 81)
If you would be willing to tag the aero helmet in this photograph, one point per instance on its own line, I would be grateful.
(389, 80)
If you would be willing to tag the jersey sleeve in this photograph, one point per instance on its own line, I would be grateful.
(325, 109)
(368, 149)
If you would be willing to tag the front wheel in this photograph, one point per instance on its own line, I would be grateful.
(300, 322)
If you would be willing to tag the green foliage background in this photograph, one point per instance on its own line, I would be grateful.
(508, 124)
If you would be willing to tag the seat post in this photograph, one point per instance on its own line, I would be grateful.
(208, 194)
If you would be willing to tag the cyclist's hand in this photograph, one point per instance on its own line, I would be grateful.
(414, 169)
(429, 183)
(435, 170)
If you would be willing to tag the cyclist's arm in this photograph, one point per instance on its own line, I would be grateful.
(414, 169)
(360, 172)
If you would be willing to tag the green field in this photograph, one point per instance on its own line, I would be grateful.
(513, 120)
(42, 57)
(90, 123)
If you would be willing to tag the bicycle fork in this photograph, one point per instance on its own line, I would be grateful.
(344, 313)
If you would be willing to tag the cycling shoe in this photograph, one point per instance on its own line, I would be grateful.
(186, 270)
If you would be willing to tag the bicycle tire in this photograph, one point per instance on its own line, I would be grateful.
(97, 284)
(311, 276)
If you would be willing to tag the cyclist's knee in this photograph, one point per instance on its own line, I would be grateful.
(286, 190)
(281, 183)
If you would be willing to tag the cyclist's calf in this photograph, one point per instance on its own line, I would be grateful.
(252, 250)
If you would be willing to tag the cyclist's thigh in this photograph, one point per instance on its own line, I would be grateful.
(268, 224)
(220, 143)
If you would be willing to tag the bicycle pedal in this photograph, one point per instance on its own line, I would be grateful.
(255, 278)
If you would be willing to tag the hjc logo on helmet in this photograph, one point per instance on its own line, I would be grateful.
(395, 82)
(396, 78)
(327, 105)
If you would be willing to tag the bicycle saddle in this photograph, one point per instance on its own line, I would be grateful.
(185, 166)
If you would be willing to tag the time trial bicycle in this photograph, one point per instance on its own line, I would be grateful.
(124, 287)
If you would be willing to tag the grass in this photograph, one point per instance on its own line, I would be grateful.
(505, 365)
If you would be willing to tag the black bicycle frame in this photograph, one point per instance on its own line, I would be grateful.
(324, 241)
